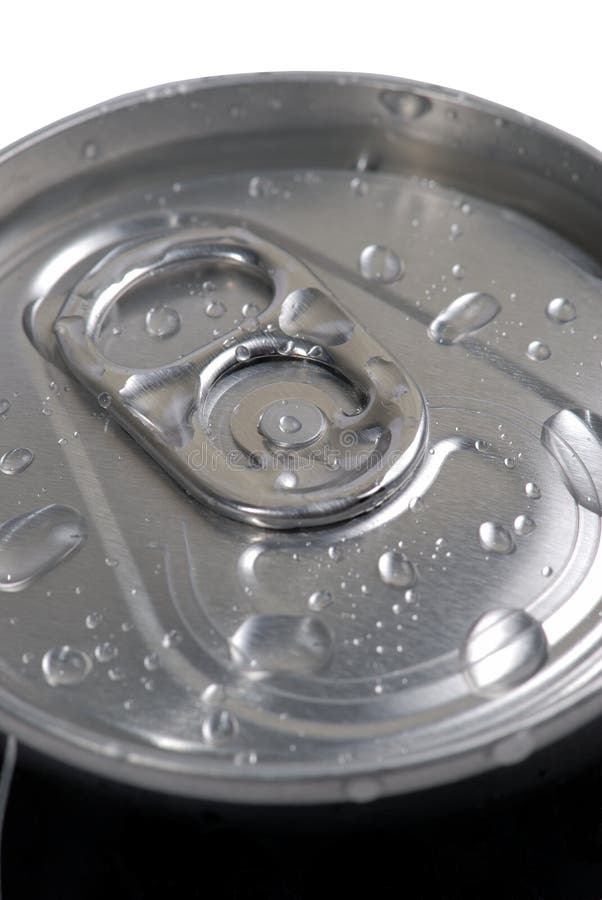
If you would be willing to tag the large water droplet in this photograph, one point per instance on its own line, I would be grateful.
(495, 538)
(378, 263)
(503, 648)
(35, 542)
(311, 314)
(574, 438)
(15, 461)
(537, 351)
(561, 310)
(463, 317)
(162, 321)
(405, 104)
(277, 643)
(64, 666)
(396, 569)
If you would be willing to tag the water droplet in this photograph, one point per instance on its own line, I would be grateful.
(379, 263)
(64, 666)
(396, 569)
(482, 446)
(524, 525)
(171, 639)
(416, 504)
(250, 310)
(335, 552)
(105, 652)
(4, 406)
(406, 105)
(561, 310)
(387, 377)
(358, 186)
(104, 400)
(90, 150)
(532, 490)
(289, 424)
(495, 538)
(286, 481)
(279, 643)
(242, 353)
(35, 542)
(503, 649)
(319, 600)
(458, 271)
(111, 563)
(15, 461)
(463, 317)
(214, 308)
(162, 321)
(151, 662)
(219, 727)
(510, 462)
(310, 313)
(574, 438)
(260, 187)
(116, 673)
(547, 571)
(538, 351)
(93, 620)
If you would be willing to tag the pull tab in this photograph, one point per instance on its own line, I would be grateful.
(297, 418)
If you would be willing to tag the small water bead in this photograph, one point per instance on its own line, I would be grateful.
(214, 308)
(104, 400)
(510, 462)
(495, 538)
(286, 481)
(379, 263)
(524, 525)
(105, 652)
(537, 351)
(532, 490)
(93, 620)
(395, 569)
(65, 666)
(171, 639)
(335, 553)
(242, 353)
(15, 461)
(250, 310)
(116, 673)
(111, 563)
(458, 271)
(358, 186)
(162, 322)
(561, 310)
(219, 727)
(416, 504)
(405, 104)
(260, 187)
(4, 406)
(547, 571)
(90, 150)
(319, 600)
(482, 446)
(151, 662)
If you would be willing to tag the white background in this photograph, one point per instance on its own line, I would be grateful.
(544, 59)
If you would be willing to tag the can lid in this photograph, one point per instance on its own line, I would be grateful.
(356, 319)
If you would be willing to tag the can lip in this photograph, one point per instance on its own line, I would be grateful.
(149, 95)
(359, 781)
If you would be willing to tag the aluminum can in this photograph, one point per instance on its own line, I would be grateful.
(301, 439)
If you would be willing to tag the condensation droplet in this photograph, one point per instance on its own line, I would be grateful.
(532, 490)
(280, 643)
(219, 727)
(15, 461)
(396, 569)
(405, 104)
(504, 648)
(561, 310)
(104, 400)
(162, 322)
(319, 600)
(537, 351)
(524, 525)
(379, 263)
(464, 316)
(495, 538)
(66, 666)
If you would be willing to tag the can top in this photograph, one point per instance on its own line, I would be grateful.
(301, 446)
